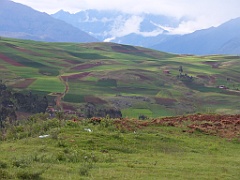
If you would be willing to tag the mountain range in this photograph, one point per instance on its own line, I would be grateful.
(149, 30)
(20, 21)
(119, 27)
(224, 39)
(146, 30)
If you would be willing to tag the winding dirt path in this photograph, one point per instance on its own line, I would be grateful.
(61, 96)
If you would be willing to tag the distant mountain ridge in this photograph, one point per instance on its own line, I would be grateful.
(20, 21)
(224, 39)
(119, 27)
(146, 30)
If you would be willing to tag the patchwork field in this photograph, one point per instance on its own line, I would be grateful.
(136, 80)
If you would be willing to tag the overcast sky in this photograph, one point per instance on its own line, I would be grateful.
(201, 13)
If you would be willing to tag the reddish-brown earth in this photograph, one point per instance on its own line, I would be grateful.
(27, 51)
(123, 49)
(226, 126)
(21, 49)
(212, 63)
(99, 49)
(2, 67)
(72, 62)
(76, 76)
(142, 77)
(9, 60)
(68, 107)
(86, 66)
(223, 125)
(93, 99)
(24, 84)
(211, 79)
(165, 101)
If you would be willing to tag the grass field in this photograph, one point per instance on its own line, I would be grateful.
(107, 70)
(107, 152)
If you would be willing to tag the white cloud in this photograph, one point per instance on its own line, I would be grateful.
(189, 26)
(151, 33)
(202, 13)
(124, 27)
(109, 39)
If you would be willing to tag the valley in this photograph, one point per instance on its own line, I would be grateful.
(135, 80)
(119, 90)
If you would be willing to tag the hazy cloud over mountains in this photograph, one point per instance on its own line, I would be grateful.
(197, 14)
(123, 27)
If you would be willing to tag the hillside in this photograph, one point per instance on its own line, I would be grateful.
(20, 21)
(223, 39)
(96, 79)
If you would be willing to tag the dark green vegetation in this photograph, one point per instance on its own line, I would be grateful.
(13, 102)
(113, 149)
(136, 80)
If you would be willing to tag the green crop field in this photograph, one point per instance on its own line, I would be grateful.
(124, 76)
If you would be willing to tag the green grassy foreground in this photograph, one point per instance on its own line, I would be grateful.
(113, 152)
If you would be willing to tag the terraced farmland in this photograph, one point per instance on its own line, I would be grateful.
(136, 80)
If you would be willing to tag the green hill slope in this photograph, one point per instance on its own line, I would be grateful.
(136, 80)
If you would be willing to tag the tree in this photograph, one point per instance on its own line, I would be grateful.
(180, 69)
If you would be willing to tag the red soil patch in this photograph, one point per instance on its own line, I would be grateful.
(23, 84)
(27, 51)
(212, 63)
(142, 77)
(2, 67)
(68, 107)
(75, 76)
(86, 66)
(98, 48)
(72, 62)
(22, 49)
(165, 101)
(10, 61)
(122, 49)
(203, 77)
(211, 79)
(93, 99)
(227, 126)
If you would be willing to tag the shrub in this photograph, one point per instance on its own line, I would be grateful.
(54, 134)
(23, 174)
(84, 170)
(61, 156)
(4, 174)
(22, 162)
(3, 165)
